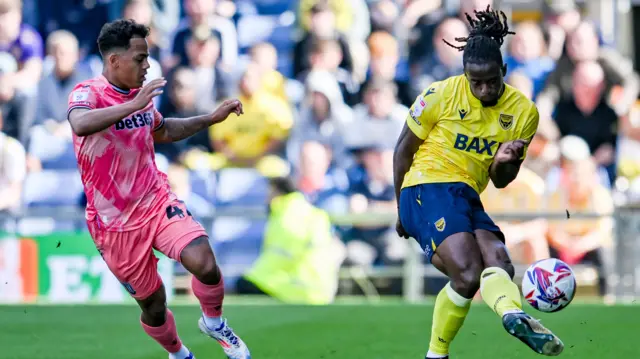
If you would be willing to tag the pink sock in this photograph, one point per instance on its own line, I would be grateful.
(210, 296)
(166, 334)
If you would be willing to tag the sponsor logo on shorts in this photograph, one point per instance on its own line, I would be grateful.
(427, 250)
(440, 224)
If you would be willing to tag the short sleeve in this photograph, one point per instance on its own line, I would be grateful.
(424, 112)
(158, 120)
(82, 96)
(530, 128)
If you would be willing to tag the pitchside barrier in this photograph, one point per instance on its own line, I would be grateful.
(64, 267)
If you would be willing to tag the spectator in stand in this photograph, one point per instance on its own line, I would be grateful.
(628, 150)
(385, 55)
(385, 16)
(521, 81)
(13, 168)
(323, 118)
(265, 56)
(361, 21)
(54, 88)
(576, 241)
(182, 103)
(526, 239)
(323, 183)
(561, 17)
(445, 61)
(202, 14)
(326, 55)
(84, 19)
(371, 191)
(165, 16)
(380, 118)
(16, 107)
(543, 152)
(51, 135)
(338, 15)
(583, 45)
(300, 257)
(423, 34)
(24, 43)
(527, 54)
(214, 82)
(322, 27)
(255, 139)
(588, 115)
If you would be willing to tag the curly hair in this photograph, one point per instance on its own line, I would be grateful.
(488, 30)
(117, 35)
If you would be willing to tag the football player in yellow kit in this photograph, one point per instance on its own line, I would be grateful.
(461, 133)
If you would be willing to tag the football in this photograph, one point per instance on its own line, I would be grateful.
(549, 285)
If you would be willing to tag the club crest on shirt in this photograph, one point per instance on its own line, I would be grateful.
(506, 121)
(440, 224)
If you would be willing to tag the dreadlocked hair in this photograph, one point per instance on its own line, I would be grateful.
(488, 30)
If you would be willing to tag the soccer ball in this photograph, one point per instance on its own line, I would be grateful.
(549, 285)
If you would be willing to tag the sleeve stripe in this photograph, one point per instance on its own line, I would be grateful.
(160, 125)
(77, 107)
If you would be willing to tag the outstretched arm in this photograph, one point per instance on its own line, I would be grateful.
(176, 129)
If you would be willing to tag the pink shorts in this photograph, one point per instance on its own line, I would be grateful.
(129, 255)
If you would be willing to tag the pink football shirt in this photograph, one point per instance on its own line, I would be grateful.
(124, 187)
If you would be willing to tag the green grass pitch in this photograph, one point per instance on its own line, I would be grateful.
(390, 330)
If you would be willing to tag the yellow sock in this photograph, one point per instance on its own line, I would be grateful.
(499, 291)
(450, 310)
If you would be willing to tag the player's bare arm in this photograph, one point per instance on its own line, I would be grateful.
(407, 146)
(85, 122)
(506, 163)
(176, 129)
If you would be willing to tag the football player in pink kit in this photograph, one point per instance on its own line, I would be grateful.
(131, 209)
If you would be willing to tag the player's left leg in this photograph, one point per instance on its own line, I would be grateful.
(184, 239)
(502, 295)
(129, 256)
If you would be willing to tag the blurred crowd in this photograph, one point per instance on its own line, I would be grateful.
(326, 86)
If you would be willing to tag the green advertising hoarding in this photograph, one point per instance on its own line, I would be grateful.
(69, 269)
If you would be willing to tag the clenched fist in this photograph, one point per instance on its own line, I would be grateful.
(510, 152)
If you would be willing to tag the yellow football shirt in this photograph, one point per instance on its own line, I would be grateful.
(461, 136)
(266, 118)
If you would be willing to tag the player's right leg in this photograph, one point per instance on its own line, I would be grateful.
(130, 258)
(183, 239)
(503, 295)
(158, 322)
(438, 220)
